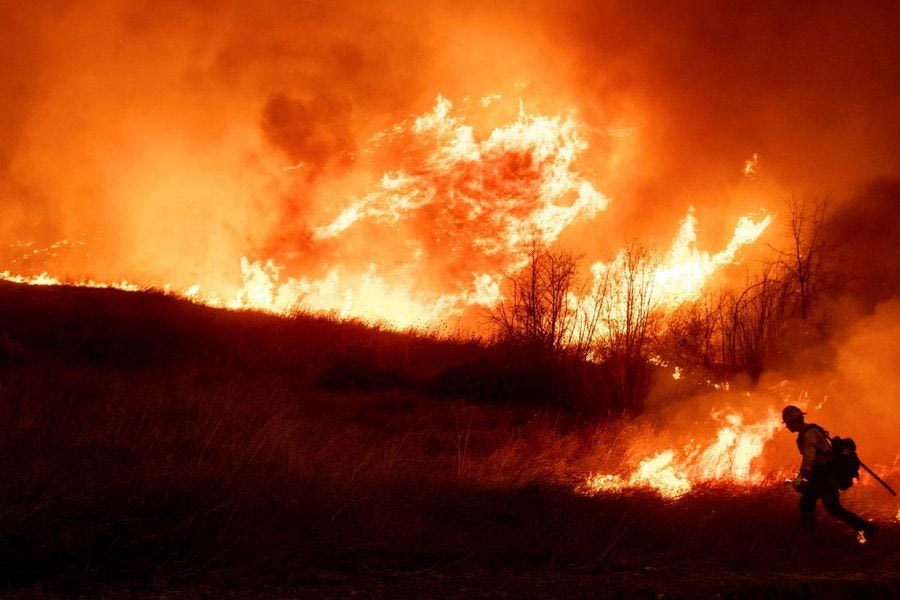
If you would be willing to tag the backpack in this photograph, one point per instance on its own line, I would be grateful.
(845, 462)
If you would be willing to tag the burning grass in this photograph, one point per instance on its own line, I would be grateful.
(153, 442)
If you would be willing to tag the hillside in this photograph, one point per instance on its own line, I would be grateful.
(152, 445)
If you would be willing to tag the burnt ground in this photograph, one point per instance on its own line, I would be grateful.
(153, 448)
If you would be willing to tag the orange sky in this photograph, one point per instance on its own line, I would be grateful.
(162, 136)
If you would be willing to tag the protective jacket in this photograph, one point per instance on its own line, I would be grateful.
(814, 444)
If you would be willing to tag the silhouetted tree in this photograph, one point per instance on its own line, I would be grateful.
(629, 316)
(537, 310)
(803, 260)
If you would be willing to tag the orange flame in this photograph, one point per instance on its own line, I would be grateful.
(486, 199)
(685, 270)
(502, 190)
(46, 279)
(672, 474)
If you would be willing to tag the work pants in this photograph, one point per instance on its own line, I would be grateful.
(820, 488)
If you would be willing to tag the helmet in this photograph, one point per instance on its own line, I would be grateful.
(791, 413)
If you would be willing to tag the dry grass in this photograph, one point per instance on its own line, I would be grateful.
(150, 441)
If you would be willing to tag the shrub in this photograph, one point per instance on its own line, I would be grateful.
(358, 368)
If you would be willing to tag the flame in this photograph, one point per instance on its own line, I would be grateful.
(672, 474)
(46, 279)
(497, 192)
(684, 270)
(489, 99)
(679, 277)
(39, 279)
(659, 473)
(737, 445)
(371, 298)
(484, 200)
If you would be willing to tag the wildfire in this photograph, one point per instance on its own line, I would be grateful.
(673, 473)
(46, 279)
(656, 472)
(469, 206)
(684, 270)
(372, 298)
(494, 193)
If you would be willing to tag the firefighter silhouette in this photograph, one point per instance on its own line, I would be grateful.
(815, 480)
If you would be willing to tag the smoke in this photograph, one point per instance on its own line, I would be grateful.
(160, 135)
(796, 84)
(311, 135)
(862, 234)
(171, 140)
(857, 396)
(867, 362)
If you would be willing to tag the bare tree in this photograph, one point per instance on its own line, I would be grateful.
(747, 324)
(759, 319)
(628, 307)
(590, 318)
(629, 317)
(746, 328)
(804, 259)
(691, 333)
(537, 310)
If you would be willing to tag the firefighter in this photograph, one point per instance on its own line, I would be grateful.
(814, 481)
